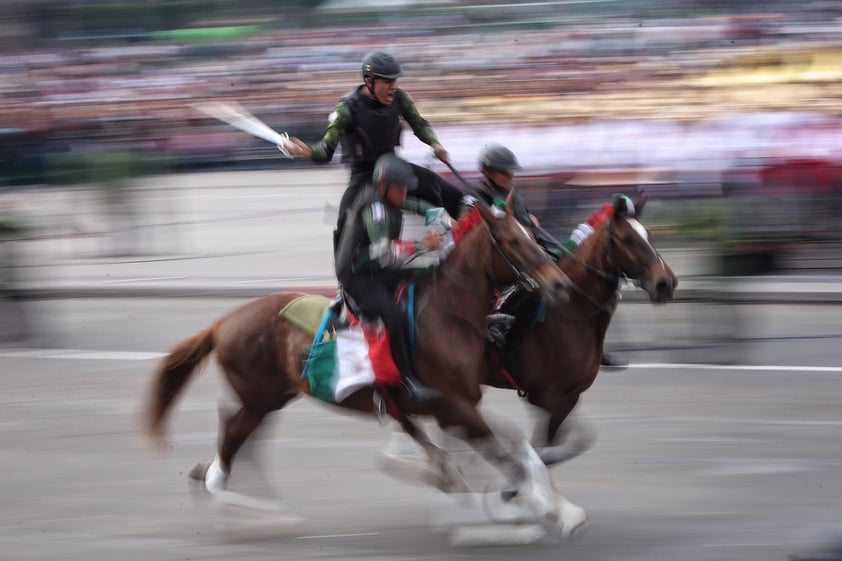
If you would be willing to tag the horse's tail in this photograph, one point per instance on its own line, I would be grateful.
(172, 376)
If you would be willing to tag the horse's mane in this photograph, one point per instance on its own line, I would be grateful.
(595, 220)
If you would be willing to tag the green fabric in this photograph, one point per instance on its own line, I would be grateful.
(306, 312)
(341, 122)
(321, 371)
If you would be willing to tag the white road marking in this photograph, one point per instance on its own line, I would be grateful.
(744, 367)
(86, 354)
(79, 354)
(144, 279)
(359, 534)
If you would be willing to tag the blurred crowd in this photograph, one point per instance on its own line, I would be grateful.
(137, 96)
(697, 106)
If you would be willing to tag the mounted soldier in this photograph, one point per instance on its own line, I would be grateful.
(367, 122)
(370, 255)
(498, 165)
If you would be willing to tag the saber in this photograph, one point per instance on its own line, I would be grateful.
(240, 118)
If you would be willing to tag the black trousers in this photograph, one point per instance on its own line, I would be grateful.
(374, 294)
(431, 188)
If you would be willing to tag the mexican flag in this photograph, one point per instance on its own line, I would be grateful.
(355, 358)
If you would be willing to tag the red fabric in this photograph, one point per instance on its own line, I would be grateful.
(600, 215)
(465, 223)
(379, 352)
(405, 248)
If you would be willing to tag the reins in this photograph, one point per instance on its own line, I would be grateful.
(612, 278)
(523, 278)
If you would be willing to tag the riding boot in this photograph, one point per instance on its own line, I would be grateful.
(417, 392)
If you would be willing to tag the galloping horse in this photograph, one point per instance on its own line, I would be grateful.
(559, 357)
(260, 354)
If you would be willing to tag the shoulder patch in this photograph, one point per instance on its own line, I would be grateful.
(332, 117)
(378, 212)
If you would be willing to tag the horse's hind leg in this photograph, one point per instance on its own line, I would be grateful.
(445, 476)
(235, 431)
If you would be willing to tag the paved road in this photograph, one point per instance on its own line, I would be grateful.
(691, 462)
(735, 462)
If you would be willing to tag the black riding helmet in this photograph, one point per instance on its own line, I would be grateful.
(390, 169)
(378, 64)
(498, 158)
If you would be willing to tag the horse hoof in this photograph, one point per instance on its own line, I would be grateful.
(199, 470)
(574, 519)
(574, 529)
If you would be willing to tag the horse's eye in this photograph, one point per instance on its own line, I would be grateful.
(514, 242)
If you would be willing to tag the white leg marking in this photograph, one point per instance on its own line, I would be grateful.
(216, 478)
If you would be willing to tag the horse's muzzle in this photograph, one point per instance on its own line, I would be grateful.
(663, 290)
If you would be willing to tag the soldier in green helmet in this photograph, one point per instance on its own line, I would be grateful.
(370, 255)
(498, 165)
(367, 122)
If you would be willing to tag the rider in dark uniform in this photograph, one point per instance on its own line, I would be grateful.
(498, 164)
(367, 122)
(370, 255)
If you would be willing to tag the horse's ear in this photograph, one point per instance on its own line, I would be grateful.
(640, 202)
(623, 204)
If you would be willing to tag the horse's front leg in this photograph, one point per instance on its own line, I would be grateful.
(565, 435)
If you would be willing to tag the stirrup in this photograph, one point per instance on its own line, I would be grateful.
(381, 411)
(498, 327)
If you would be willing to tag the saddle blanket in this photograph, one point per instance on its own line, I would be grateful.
(357, 356)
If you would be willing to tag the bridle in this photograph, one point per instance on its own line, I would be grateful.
(524, 278)
(616, 274)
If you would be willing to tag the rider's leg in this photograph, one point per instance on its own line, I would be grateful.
(550, 245)
(435, 190)
(399, 341)
(375, 297)
(355, 187)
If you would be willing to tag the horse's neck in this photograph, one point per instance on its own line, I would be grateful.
(589, 257)
(462, 282)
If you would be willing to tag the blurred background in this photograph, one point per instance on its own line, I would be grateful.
(129, 220)
(727, 114)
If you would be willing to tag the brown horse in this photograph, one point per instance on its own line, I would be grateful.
(559, 357)
(260, 354)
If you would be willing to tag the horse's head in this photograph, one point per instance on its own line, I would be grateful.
(631, 253)
(517, 257)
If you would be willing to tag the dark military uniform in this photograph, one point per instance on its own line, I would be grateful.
(368, 264)
(489, 193)
(367, 129)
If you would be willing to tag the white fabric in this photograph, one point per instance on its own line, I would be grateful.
(354, 369)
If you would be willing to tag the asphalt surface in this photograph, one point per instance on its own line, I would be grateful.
(721, 442)
(733, 462)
